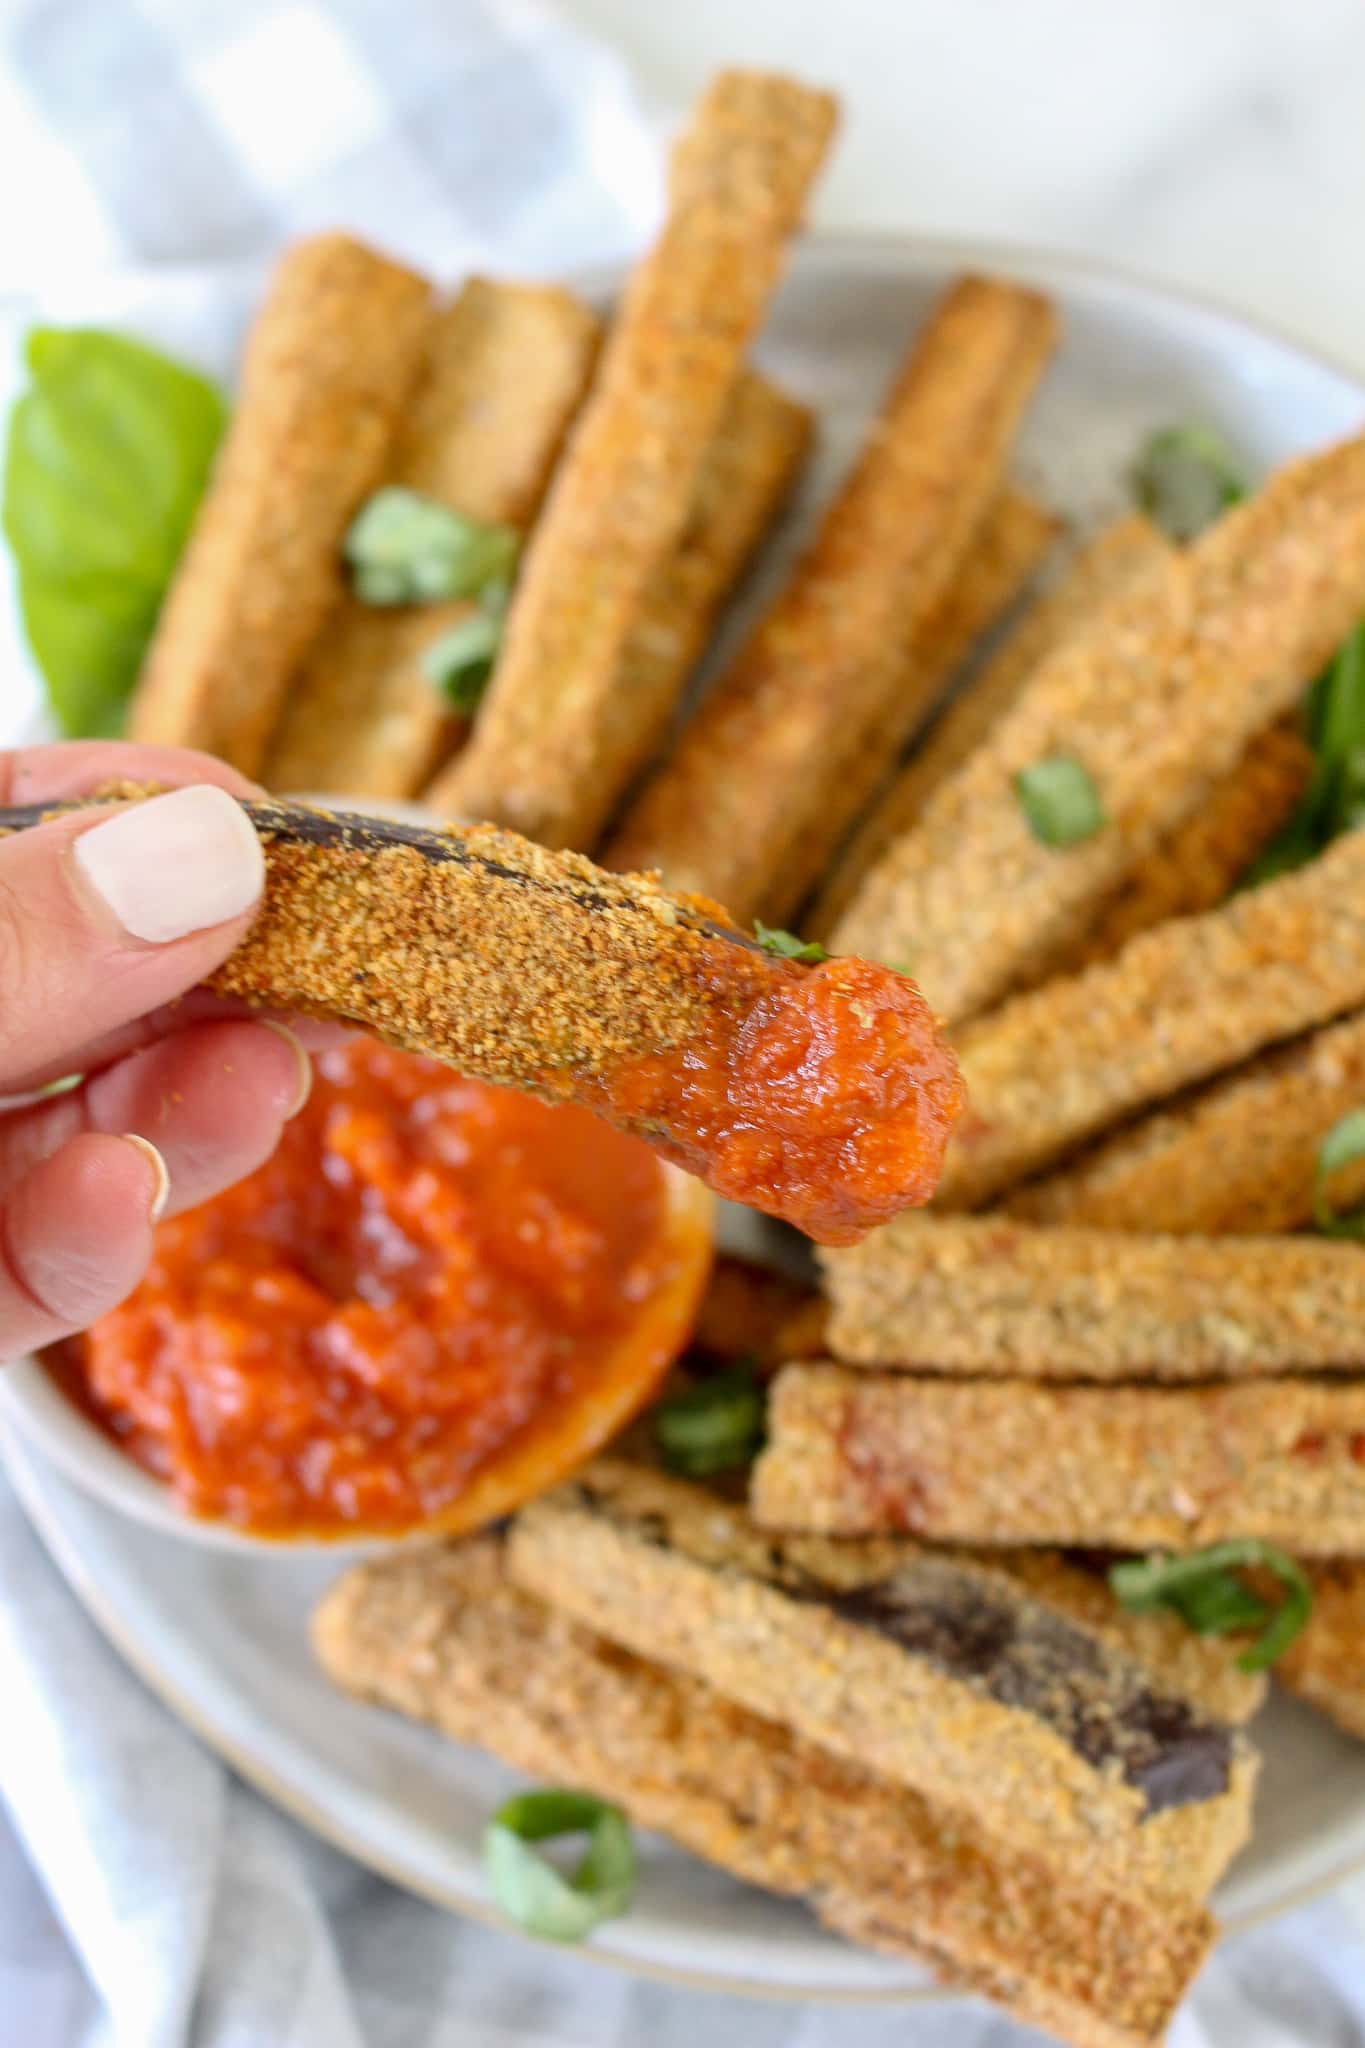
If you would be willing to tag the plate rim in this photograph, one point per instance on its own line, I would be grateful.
(24, 1462)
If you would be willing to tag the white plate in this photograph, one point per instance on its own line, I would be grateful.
(221, 1637)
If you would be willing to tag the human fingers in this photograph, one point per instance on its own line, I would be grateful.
(75, 1236)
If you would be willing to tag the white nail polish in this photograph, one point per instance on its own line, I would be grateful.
(176, 864)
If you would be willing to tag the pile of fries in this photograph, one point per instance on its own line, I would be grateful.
(1114, 1331)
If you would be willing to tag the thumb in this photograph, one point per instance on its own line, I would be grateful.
(101, 922)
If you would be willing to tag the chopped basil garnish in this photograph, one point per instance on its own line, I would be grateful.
(1334, 801)
(1204, 1590)
(1185, 477)
(787, 946)
(716, 1426)
(1343, 1145)
(1059, 800)
(405, 548)
(531, 1891)
(461, 661)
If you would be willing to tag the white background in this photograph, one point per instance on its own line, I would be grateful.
(1219, 144)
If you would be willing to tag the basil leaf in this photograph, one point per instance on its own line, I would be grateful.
(1059, 800)
(1343, 1145)
(1334, 802)
(461, 661)
(106, 458)
(537, 1896)
(1202, 1588)
(1185, 477)
(406, 548)
(716, 1426)
(787, 946)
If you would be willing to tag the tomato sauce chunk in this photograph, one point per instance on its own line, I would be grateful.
(343, 1339)
(830, 1105)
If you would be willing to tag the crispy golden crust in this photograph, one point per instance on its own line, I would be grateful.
(854, 1453)
(1157, 698)
(332, 357)
(505, 373)
(989, 1295)
(438, 1634)
(1239, 1155)
(520, 966)
(750, 1312)
(1105, 565)
(1206, 856)
(787, 742)
(1326, 1664)
(1013, 538)
(887, 1662)
(750, 468)
(559, 736)
(1058, 1065)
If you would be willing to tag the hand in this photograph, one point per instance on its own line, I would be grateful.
(106, 920)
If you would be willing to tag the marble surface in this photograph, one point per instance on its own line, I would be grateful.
(1217, 144)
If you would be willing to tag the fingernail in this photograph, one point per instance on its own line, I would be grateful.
(304, 1086)
(173, 865)
(162, 1192)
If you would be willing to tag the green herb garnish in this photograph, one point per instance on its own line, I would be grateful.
(716, 1426)
(1059, 800)
(1334, 801)
(108, 453)
(1185, 477)
(406, 548)
(1343, 1146)
(787, 946)
(1204, 1590)
(531, 1891)
(461, 661)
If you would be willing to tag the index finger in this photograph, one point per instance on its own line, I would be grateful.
(78, 767)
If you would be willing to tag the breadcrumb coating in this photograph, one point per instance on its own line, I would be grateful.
(559, 737)
(330, 362)
(438, 1634)
(1156, 699)
(855, 1453)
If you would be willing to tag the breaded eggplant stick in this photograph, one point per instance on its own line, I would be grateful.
(938, 1673)
(781, 745)
(506, 372)
(750, 469)
(1056, 1066)
(439, 1634)
(1114, 559)
(331, 360)
(1204, 859)
(1239, 1155)
(855, 1453)
(538, 971)
(973, 1295)
(1156, 701)
(1325, 1665)
(1010, 544)
(558, 738)
(753, 1313)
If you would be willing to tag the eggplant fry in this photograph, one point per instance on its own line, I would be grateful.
(783, 744)
(558, 738)
(1149, 707)
(505, 374)
(333, 357)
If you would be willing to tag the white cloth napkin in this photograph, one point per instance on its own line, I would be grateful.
(147, 1898)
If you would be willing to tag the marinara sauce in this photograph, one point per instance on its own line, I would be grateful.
(344, 1338)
